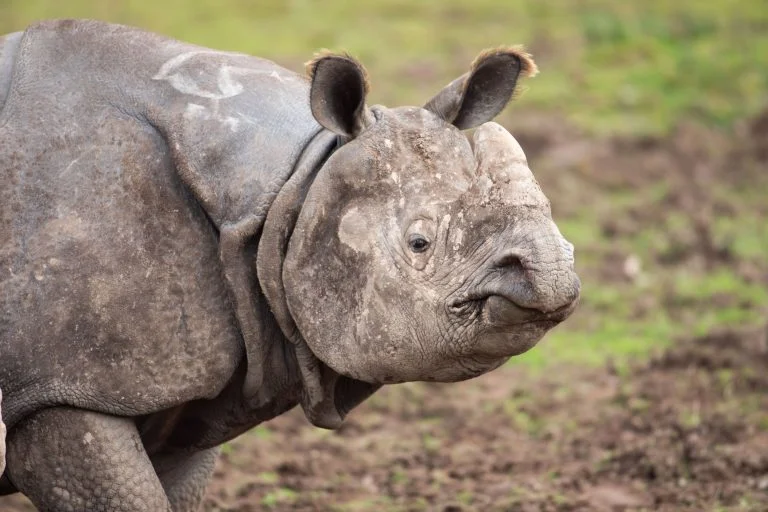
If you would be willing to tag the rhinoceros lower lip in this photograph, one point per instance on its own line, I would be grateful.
(500, 311)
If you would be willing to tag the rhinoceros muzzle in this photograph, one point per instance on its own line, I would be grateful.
(501, 311)
(516, 292)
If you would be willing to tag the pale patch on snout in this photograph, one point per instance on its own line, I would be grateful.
(353, 230)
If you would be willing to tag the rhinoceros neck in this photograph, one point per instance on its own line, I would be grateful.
(279, 224)
(326, 396)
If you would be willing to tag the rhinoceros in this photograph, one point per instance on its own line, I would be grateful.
(195, 241)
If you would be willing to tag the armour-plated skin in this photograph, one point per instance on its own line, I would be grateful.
(193, 242)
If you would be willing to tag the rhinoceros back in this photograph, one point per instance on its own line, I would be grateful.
(112, 293)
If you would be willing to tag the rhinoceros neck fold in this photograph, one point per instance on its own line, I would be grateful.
(278, 227)
(327, 396)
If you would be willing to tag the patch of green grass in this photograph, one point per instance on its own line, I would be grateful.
(431, 443)
(522, 420)
(719, 281)
(268, 477)
(633, 67)
(746, 234)
(382, 503)
(465, 497)
(598, 339)
(690, 419)
(762, 423)
(399, 476)
(261, 431)
(279, 497)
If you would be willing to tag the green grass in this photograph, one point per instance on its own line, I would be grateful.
(279, 498)
(634, 67)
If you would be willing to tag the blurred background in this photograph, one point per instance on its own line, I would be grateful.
(647, 127)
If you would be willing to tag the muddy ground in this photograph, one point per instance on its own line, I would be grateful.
(679, 433)
(685, 431)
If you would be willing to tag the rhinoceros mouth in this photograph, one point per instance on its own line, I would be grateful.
(499, 311)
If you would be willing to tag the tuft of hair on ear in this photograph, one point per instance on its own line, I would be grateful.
(528, 67)
(311, 65)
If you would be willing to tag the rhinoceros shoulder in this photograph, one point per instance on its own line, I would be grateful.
(131, 157)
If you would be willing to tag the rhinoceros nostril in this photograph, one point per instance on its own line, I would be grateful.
(510, 261)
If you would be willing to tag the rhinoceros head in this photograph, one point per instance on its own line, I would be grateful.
(417, 253)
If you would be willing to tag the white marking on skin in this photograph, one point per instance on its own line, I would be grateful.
(388, 143)
(194, 111)
(226, 82)
(227, 85)
(395, 177)
(88, 438)
(353, 230)
(232, 122)
(75, 161)
(459, 236)
(185, 84)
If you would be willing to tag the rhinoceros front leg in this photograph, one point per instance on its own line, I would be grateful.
(74, 460)
(185, 477)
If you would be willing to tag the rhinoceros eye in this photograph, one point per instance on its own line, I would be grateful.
(417, 243)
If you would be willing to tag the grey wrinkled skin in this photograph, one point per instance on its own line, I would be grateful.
(193, 242)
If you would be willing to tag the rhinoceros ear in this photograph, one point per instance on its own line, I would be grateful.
(478, 96)
(337, 94)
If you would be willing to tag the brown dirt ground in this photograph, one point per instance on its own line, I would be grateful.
(685, 431)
